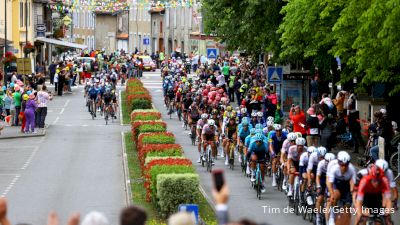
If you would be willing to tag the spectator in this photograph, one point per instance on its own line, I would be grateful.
(339, 102)
(182, 218)
(314, 90)
(17, 101)
(133, 215)
(355, 128)
(312, 124)
(3, 212)
(52, 70)
(298, 119)
(30, 109)
(95, 218)
(43, 98)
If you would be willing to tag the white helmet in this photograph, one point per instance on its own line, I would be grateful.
(292, 136)
(277, 126)
(211, 122)
(300, 141)
(204, 116)
(381, 163)
(329, 156)
(343, 157)
(243, 110)
(253, 114)
(270, 124)
(311, 149)
(259, 114)
(321, 151)
(270, 118)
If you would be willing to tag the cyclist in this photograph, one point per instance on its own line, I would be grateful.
(381, 163)
(268, 128)
(254, 120)
(290, 141)
(320, 182)
(199, 130)
(340, 183)
(313, 161)
(210, 136)
(107, 98)
(244, 131)
(276, 139)
(303, 164)
(114, 102)
(230, 129)
(373, 195)
(215, 117)
(293, 161)
(93, 93)
(258, 151)
(187, 102)
(247, 141)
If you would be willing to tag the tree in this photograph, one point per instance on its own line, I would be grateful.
(248, 25)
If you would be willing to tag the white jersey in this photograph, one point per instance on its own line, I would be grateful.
(322, 167)
(303, 159)
(334, 173)
(285, 146)
(390, 177)
(313, 161)
(330, 164)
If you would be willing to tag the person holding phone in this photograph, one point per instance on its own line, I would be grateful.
(258, 151)
(298, 119)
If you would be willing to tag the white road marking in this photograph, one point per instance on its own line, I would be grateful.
(10, 186)
(62, 111)
(29, 160)
(66, 103)
(56, 120)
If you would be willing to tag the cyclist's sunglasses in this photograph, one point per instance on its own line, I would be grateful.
(342, 163)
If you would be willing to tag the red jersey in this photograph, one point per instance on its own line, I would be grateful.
(365, 187)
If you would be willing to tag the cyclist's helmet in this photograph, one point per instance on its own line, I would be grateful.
(311, 149)
(258, 137)
(214, 112)
(381, 163)
(259, 114)
(204, 116)
(300, 141)
(299, 135)
(292, 136)
(245, 119)
(243, 110)
(253, 131)
(270, 124)
(329, 156)
(375, 171)
(270, 118)
(277, 127)
(321, 151)
(211, 122)
(229, 108)
(253, 114)
(259, 131)
(343, 157)
(245, 123)
(259, 126)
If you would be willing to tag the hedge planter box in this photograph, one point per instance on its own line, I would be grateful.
(171, 160)
(140, 127)
(155, 138)
(176, 189)
(145, 115)
(160, 150)
(132, 82)
(140, 104)
(151, 177)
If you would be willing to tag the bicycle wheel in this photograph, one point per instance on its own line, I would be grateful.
(258, 184)
(209, 156)
(106, 116)
(232, 156)
(179, 115)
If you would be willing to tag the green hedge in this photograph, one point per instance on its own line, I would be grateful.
(141, 104)
(166, 153)
(146, 117)
(151, 158)
(176, 189)
(159, 139)
(147, 128)
(165, 169)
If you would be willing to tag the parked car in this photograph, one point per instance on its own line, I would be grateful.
(148, 63)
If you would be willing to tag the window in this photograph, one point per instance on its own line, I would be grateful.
(21, 14)
(175, 18)
(167, 17)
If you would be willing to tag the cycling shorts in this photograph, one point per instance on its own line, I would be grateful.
(295, 164)
(93, 97)
(209, 137)
(343, 186)
(302, 169)
(314, 169)
(373, 201)
(260, 155)
(322, 182)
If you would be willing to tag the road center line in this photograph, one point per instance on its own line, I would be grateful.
(62, 111)
(56, 120)
(10, 186)
(66, 103)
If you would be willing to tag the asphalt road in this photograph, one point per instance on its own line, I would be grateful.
(272, 208)
(76, 167)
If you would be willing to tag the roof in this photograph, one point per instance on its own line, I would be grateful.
(61, 43)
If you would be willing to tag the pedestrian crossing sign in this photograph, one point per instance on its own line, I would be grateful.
(211, 53)
(275, 75)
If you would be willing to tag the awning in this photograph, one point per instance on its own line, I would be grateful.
(61, 43)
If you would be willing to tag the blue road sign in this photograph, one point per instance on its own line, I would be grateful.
(275, 75)
(190, 208)
(146, 41)
(211, 53)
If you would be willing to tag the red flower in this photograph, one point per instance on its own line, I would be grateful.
(142, 152)
(135, 126)
(136, 114)
(141, 136)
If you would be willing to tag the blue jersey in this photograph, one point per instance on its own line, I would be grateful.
(249, 139)
(277, 141)
(260, 150)
(93, 92)
(240, 126)
(243, 133)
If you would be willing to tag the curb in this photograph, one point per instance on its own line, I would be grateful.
(126, 172)
(120, 108)
(23, 136)
(208, 199)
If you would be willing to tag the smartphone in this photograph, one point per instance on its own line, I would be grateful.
(218, 176)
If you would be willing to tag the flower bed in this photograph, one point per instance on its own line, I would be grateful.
(139, 127)
(151, 177)
(133, 82)
(140, 104)
(169, 160)
(137, 90)
(159, 150)
(155, 138)
(145, 115)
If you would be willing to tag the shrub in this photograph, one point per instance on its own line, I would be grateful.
(155, 138)
(141, 104)
(176, 189)
(169, 160)
(139, 127)
(145, 115)
(132, 82)
(151, 177)
(158, 150)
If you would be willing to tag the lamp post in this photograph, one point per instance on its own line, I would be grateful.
(5, 40)
(26, 25)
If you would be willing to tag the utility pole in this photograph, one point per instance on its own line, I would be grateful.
(5, 40)
(26, 25)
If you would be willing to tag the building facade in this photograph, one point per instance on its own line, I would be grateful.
(84, 25)
(139, 29)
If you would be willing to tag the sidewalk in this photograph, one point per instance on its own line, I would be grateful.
(15, 132)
